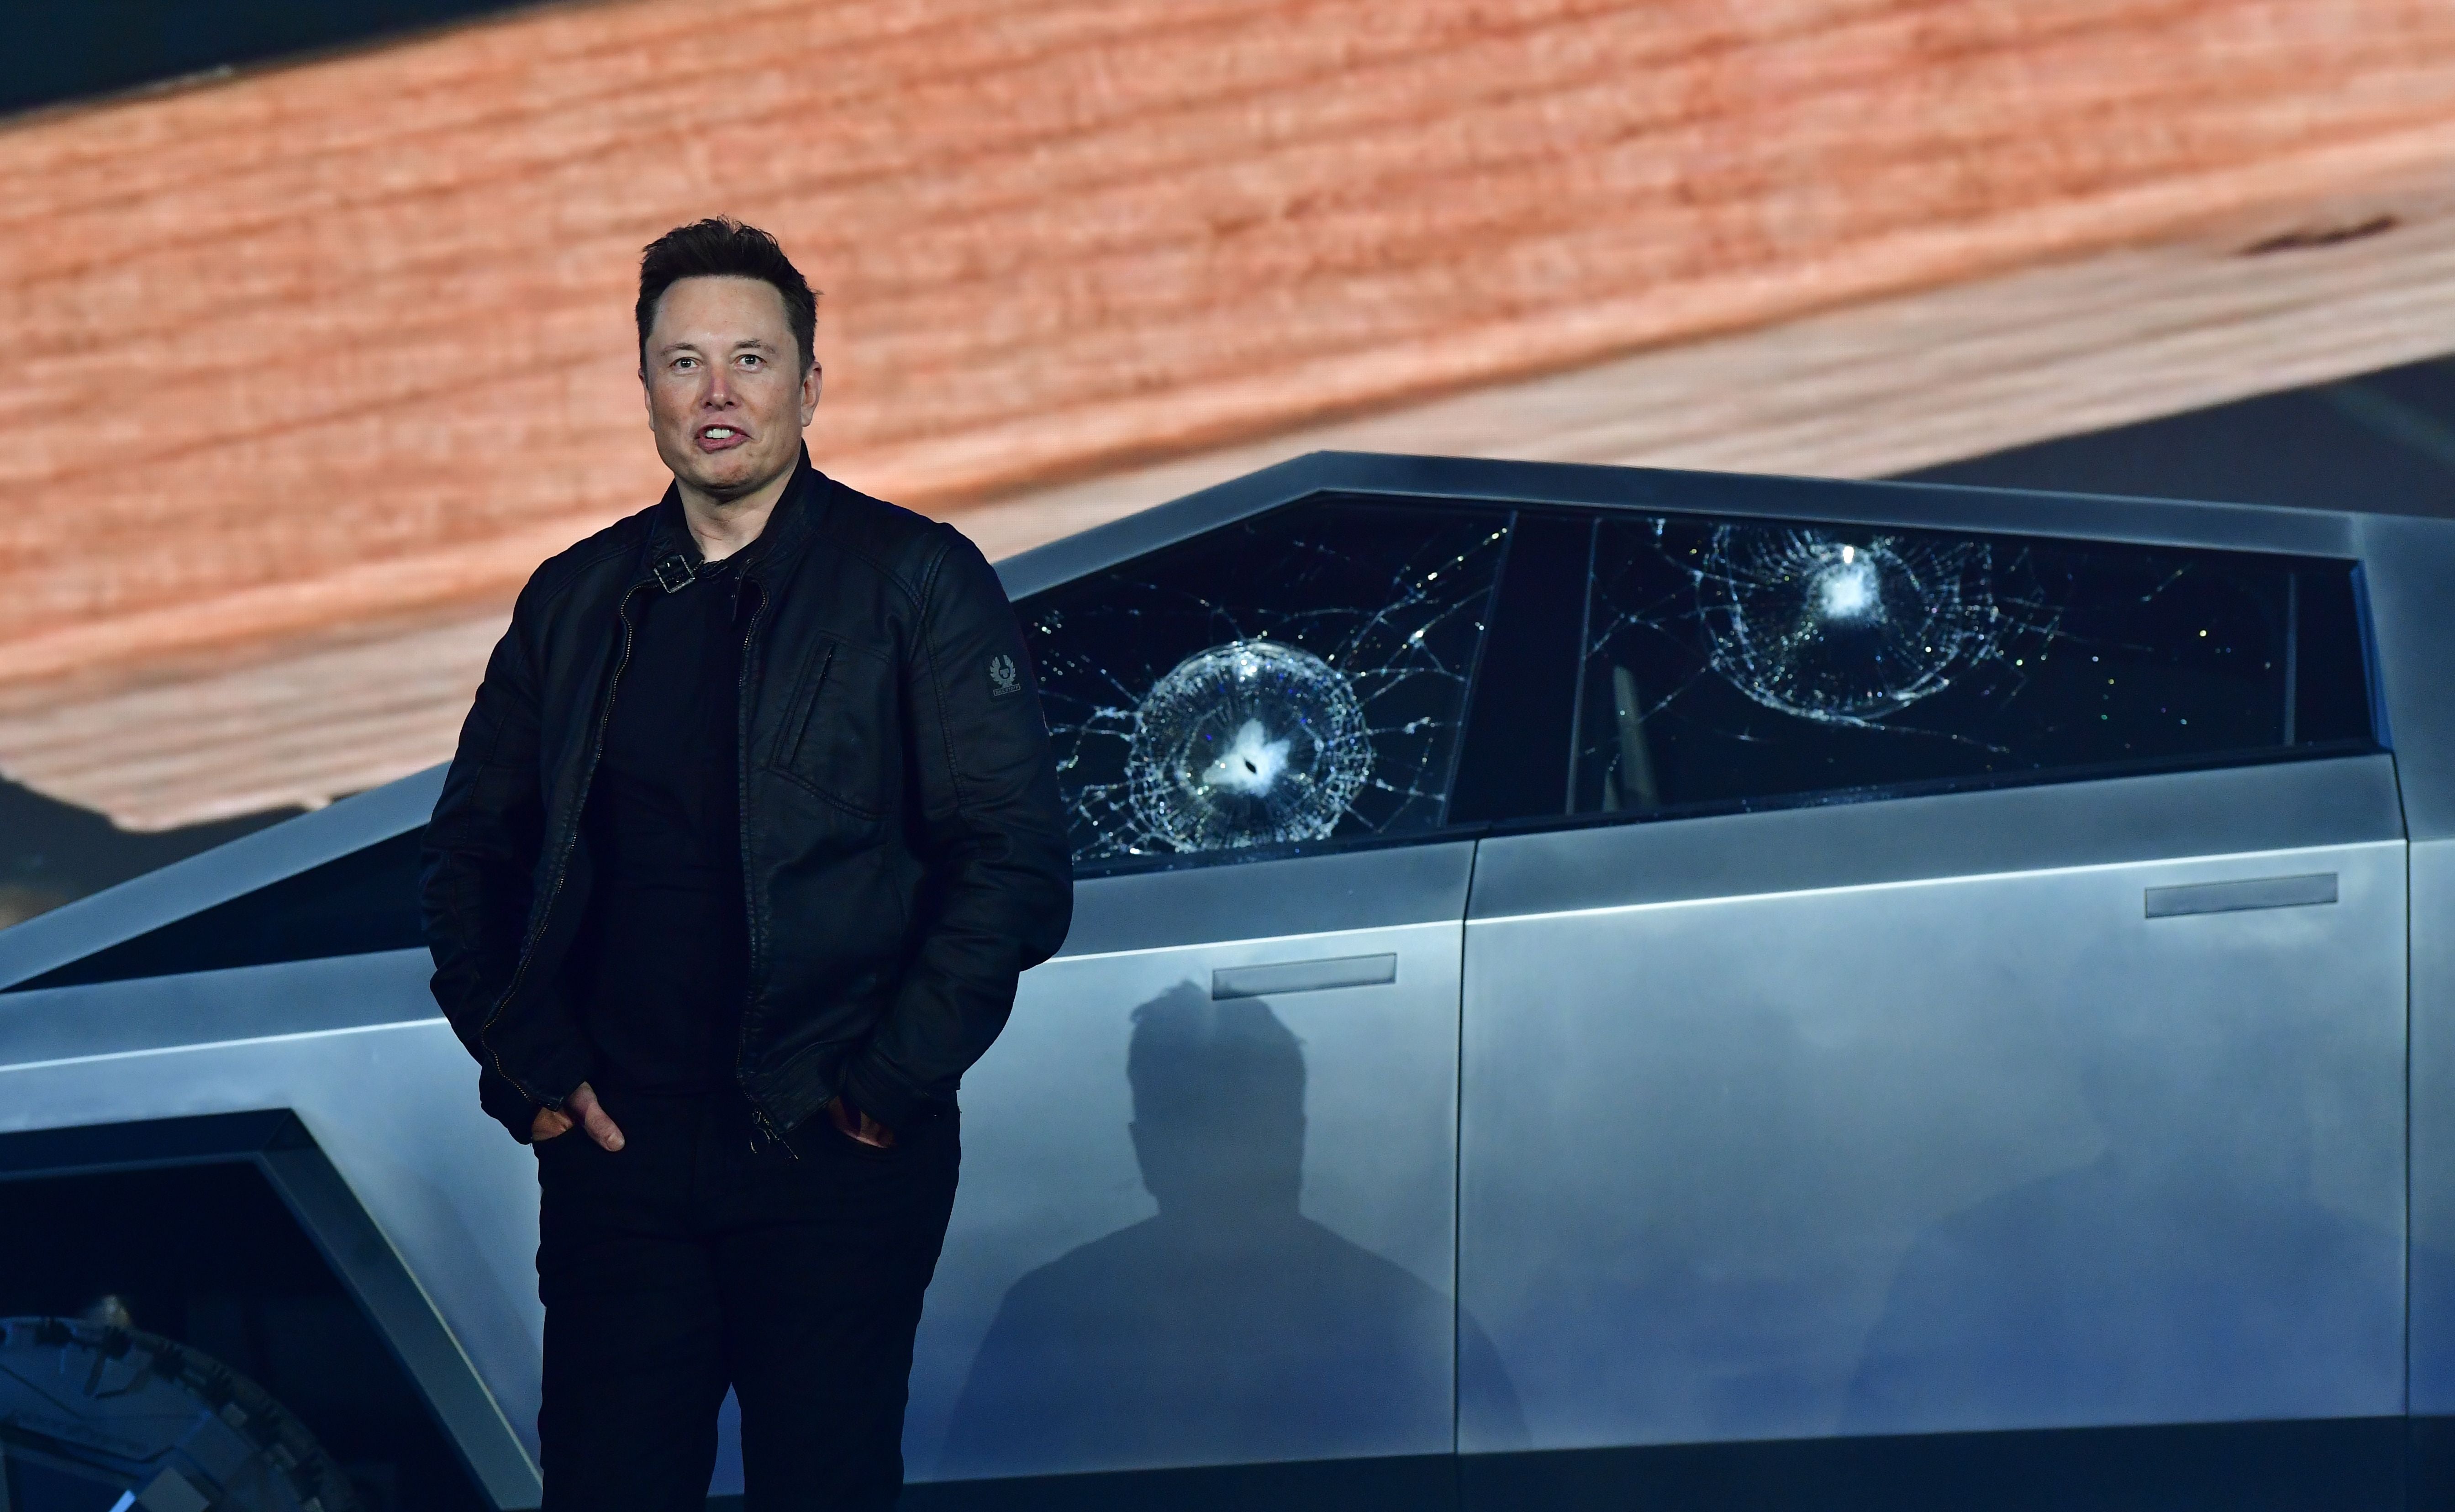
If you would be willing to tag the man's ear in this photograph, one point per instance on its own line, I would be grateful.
(810, 384)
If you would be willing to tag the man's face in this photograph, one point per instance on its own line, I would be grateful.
(726, 394)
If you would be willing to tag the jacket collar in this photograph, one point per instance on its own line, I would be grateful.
(670, 556)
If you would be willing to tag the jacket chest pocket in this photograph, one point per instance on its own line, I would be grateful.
(833, 735)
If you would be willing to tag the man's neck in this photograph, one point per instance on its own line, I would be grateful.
(724, 526)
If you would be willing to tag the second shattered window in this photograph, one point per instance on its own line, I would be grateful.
(1294, 677)
(1728, 662)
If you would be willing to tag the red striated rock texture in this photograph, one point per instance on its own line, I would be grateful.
(354, 337)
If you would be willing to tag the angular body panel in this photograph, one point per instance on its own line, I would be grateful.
(1966, 1153)
(1201, 1226)
(1611, 963)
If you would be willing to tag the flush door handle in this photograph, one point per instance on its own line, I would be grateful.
(1304, 975)
(2228, 897)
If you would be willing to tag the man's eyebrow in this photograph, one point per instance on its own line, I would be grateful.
(753, 341)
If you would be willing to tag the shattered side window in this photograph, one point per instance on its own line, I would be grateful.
(1726, 663)
(1297, 676)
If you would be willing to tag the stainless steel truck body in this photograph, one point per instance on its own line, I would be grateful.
(1586, 981)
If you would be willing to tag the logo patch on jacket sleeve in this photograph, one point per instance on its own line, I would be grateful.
(1001, 678)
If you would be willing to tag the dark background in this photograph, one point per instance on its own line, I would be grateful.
(2384, 440)
(83, 48)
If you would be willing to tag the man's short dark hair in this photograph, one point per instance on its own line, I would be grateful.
(720, 247)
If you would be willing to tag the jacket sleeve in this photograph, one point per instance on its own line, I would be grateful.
(477, 871)
(1000, 890)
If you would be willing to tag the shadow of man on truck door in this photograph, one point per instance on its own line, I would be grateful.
(1229, 1327)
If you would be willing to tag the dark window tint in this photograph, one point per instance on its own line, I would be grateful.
(355, 904)
(1727, 663)
(1297, 676)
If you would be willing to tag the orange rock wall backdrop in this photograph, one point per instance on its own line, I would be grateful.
(353, 337)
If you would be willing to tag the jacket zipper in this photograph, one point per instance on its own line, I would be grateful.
(563, 862)
(764, 1131)
(763, 1127)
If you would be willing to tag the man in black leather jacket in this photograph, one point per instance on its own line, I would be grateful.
(751, 829)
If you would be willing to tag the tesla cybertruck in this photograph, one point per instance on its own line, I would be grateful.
(1589, 986)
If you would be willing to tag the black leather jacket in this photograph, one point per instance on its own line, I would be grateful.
(903, 846)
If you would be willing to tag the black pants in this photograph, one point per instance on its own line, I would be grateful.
(698, 1257)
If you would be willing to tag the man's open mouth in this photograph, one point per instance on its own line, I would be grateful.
(716, 437)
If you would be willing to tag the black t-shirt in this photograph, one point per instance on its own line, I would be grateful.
(662, 967)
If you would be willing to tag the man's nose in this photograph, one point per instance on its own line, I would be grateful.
(719, 385)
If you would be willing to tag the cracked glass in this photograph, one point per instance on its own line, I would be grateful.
(1300, 676)
(1728, 662)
